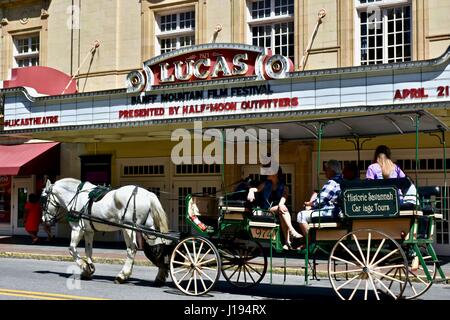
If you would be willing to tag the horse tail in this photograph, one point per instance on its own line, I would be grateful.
(159, 215)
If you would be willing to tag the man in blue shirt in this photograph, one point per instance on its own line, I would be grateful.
(325, 205)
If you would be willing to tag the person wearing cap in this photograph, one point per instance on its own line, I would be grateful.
(325, 205)
(274, 194)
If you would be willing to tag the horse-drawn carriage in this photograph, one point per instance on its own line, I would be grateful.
(376, 247)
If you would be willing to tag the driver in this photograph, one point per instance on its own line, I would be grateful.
(274, 194)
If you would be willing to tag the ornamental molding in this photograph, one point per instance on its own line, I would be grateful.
(44, 14)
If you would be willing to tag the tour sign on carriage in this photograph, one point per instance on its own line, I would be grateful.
(378, 248)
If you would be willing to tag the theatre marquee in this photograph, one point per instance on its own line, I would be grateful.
(224, 81)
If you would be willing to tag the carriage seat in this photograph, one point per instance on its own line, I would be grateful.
(324, 225)
(204, 207)
(427, 196)
(400, 183)
(203, 212)
(409, 209)
(318, 222)
(233, 209)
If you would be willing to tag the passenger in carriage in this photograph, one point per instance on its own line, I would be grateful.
(383, 167)
(326, 204)
(274, 194)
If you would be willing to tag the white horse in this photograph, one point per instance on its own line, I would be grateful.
(129, 204)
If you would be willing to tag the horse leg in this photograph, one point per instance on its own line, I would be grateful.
(161, 277)
(89, 241)
(76, 236)
(130, 240)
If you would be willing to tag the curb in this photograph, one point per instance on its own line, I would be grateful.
(63, 258)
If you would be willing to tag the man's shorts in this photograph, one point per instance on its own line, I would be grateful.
(306, 216)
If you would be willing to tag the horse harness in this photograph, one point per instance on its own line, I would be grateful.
(96, 195)
(133, 196)
(50, 198)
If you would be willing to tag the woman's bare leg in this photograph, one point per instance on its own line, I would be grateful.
(48, 230)
(303, 229)
(34, 236)
(285, 230)
(286, 217)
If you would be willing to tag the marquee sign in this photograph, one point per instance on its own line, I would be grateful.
(238, 81)
(34, 121)
(209, 62)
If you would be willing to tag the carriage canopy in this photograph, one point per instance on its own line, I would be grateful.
(382, 124)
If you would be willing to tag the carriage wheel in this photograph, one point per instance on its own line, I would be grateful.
(195, 266)
(418, 283)
(240, 265)
(366, 260)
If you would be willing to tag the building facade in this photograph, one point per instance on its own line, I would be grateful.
(98, 43)
(60, 34)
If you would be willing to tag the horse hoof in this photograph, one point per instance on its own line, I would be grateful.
(91, 269)
(119, 280)
(86, 277)
(159, 283)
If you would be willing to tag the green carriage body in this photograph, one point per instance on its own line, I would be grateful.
(412, 230)
(369, 236)
(227, 222)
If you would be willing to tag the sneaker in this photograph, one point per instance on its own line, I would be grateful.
(294, 234)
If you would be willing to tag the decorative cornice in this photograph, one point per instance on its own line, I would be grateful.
(375, 68)
(44, 14)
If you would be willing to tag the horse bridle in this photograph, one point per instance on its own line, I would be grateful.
(51, 198)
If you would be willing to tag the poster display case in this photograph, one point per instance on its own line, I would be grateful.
(5, 199)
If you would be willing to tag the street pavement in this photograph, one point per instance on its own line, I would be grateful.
(45, 271)
(53, 280)
(115, 253)
(26, 277)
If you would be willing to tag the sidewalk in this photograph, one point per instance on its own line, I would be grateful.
(114, 253)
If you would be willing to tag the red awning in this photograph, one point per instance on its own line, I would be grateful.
(31, 158)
